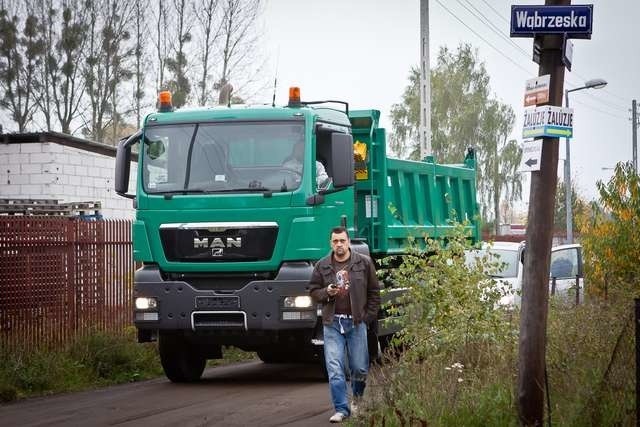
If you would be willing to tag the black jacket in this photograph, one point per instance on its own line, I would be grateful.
(364, 288)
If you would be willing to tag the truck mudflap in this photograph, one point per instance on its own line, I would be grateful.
(261, 305)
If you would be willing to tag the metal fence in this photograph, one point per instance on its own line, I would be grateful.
(61, 278)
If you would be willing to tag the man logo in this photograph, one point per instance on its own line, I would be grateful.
(217, 251)
(217, 242)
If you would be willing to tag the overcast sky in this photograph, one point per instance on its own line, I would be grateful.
(361, 51)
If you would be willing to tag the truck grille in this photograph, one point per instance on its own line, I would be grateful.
(213, 242)
(218, 320)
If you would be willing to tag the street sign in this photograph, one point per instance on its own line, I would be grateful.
(575, 21)
(531, 155)
(549, 121)
(536, 90)
(567, 53)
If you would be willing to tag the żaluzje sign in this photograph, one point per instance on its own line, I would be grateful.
(548, 121)
(575, 21)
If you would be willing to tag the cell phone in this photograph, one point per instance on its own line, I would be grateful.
(332, 286)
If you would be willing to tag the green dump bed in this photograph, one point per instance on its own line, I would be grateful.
(398, 199)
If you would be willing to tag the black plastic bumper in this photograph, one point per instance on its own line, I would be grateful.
(258, 306)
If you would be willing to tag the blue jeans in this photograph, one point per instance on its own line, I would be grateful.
(342, 341)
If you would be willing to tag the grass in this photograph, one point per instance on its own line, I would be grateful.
(93, 361)
(590, 364)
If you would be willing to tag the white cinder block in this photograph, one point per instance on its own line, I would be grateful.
(31, 148)
(9, 189)
(18, 159)
(82, 171)
(52, 147)
(4, 161)
(75, 159)
(60, 159)
(40, 158)
(42, 179)
(19, 179)
(86, 161)
(82, 191)
(68, 169)
(28, 168)
(69, 190)
(31, 190)
(75, 180)
(10, 148)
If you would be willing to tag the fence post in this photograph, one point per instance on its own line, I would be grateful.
(553, 286)
(577, 290)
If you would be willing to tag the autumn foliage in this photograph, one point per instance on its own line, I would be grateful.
(610, 234)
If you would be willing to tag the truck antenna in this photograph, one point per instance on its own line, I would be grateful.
(275, 80)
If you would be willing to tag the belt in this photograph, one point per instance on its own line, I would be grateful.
(343, 316)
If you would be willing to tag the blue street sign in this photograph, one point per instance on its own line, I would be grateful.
(574, 21)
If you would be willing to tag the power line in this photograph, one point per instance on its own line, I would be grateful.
(591, 107)
(482, 38)
(487, 22)
(496, 30)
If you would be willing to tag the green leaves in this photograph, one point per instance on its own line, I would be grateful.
(449, 304)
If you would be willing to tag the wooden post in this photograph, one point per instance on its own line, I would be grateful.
(535, 291)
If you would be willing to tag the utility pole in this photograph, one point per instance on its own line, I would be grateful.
(634, 133)
(535, 288)
(425, 82)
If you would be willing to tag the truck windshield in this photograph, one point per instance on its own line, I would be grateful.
(223, 157)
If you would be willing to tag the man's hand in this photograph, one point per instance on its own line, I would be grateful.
(332, 290)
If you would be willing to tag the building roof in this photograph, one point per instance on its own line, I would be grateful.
(58, 138)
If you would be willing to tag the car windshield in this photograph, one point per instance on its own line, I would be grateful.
(223, 157)
(507, 259)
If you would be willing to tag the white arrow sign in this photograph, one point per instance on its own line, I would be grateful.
(531, 156)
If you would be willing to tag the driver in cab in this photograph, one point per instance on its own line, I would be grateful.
(294, 162)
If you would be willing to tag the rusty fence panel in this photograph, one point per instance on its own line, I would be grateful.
(61, 278)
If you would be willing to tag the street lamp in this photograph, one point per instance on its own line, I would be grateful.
(589, 84)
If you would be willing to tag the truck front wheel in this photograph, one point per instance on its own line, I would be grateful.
(180, 360)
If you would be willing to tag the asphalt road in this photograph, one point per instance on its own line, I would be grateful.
(246, 394)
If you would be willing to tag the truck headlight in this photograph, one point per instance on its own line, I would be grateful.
(145, 303)
(303, 301)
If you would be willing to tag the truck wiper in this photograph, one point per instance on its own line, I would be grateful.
(267, 191)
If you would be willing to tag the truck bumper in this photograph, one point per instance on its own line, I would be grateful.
(256, 307)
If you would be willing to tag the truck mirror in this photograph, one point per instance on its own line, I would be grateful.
(342, 160)
(123, 165)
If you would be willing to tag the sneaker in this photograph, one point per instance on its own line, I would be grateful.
(337, 417)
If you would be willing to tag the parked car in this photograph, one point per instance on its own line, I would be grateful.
(565, 267)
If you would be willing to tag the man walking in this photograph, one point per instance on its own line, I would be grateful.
(345, 283)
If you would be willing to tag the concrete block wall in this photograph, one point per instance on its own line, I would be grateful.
(47, 170)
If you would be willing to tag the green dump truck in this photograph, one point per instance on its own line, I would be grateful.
(227, 231)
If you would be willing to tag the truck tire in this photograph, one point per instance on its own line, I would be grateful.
(180, 361)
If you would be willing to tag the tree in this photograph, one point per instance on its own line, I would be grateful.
(63, 67)
(140, 6)
(610, 235)
(161, 44)
(238, 43)
(463, 115)
(180, 85)
(105, 67)
(21, 53)
(209, 32)
(459, 93)
(579, 207)
(498, 160)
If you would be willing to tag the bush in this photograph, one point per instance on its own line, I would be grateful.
(460, 360)
(96, 359)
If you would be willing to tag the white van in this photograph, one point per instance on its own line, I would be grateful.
(565, 267)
